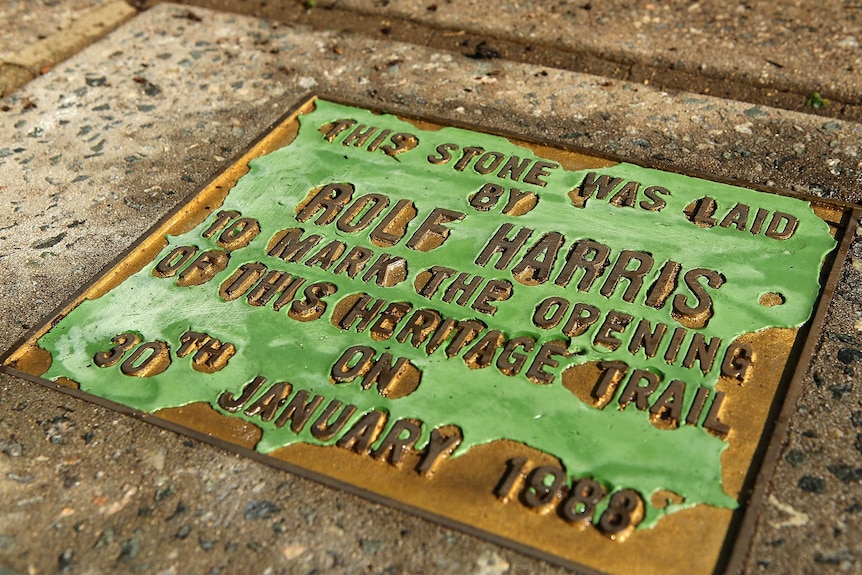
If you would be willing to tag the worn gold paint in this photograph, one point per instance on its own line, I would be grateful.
(203, 418)
(567, 159)
(747, 406)
(471, 478)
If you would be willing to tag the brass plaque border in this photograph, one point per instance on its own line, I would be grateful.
(845, 218)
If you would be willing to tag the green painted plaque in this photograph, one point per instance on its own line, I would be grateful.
(575, 355)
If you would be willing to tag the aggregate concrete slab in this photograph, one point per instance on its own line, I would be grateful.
(26, 22)
(35, 36)
(798, 46)
(801, 55)
(100, 147)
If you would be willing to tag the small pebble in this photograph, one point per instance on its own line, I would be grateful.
(6, 542)
(20, 478)
(260, 509)
(11, 447)
(841, 557)
(293, 550)
(65, 560)
(812, 484)
(795, 457)
(106, 537)
(845, 473)
(849, 355)
(372, 545)
(163, 493)
(129, 549)
(206, 544)
(489, 563)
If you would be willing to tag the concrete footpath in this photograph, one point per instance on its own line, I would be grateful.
(97, 147)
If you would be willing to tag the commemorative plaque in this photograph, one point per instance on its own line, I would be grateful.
(577, 356)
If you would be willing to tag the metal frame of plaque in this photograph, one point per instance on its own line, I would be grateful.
(575, 356)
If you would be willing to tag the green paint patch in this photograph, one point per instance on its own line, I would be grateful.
(674, 245)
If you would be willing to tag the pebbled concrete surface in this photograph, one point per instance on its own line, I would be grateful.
(98, 148)
(777, 54)
(28, 21)
(36, 36)
(795, 46)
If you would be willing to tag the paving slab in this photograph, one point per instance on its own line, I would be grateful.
(36, 36)
(26, 22)
(802, 55)
(103, 145)
(792, 45)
